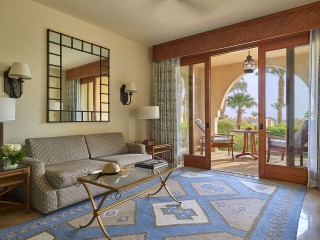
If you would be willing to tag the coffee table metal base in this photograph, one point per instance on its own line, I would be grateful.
(98, 210)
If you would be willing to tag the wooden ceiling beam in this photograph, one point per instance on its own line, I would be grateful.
(284, 23)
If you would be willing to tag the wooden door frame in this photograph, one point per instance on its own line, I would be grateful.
(282, 173)
(203, 162)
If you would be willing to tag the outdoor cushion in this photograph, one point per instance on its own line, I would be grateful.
(221, 140)
(278, 143)
(63, 175)
(125, 159)
(53, 150)
(106, 144)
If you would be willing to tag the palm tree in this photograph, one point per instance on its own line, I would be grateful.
(278, 72)
(239, 101)
(254, 114)
(241, 86)
(279, 108)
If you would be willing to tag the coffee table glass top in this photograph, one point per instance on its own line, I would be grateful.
(129, 176)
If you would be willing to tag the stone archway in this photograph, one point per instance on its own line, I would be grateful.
(225, 76)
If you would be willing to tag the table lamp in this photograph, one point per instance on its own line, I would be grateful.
(149, 113)
(7, 113)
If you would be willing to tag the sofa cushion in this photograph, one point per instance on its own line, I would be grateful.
(106, 144)
(53, 150)
(125, 159)
(136, 148)
(63, 175)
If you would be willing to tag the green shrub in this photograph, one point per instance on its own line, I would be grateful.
(277, 130)
(225, 126)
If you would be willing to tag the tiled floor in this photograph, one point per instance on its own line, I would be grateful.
(309, 222)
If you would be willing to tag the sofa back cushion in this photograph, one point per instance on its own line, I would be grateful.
(53, 150)
(105, 144)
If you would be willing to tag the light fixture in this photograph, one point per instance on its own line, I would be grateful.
(126, 92)
(7, 113)
(148, 113)
(13, 79)
(249, 65)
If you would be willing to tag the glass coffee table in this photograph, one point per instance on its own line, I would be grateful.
(128, 177)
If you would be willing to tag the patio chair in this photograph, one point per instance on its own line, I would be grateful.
(217, 140)
(300, 143)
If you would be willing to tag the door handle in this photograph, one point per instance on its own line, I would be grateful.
(261, 126)
(207, 125)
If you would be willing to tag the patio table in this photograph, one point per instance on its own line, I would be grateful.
(248, 133)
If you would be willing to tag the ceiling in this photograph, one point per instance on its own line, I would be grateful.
(155, 21)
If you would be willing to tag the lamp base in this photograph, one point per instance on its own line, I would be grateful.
(149, 142)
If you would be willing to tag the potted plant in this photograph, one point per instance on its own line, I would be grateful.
(11, 155)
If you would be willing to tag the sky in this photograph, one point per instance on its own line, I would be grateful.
(301, 96)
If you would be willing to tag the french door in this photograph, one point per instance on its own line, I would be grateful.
(195, 112)
(283, 109)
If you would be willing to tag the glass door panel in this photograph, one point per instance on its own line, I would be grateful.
(283, 109)
(287, 103)
(192, 114)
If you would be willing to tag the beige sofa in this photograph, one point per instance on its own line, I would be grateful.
(57, 162)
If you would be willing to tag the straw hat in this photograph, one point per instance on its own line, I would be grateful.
(111, 168)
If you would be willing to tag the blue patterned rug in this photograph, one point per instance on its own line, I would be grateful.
(214, 206)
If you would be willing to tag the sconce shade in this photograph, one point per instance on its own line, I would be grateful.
(126, 92)
(7, 109)
(20, 70)
(130, 88)
(148, 112)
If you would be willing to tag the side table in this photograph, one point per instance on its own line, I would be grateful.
(11, 178)
(157, 150)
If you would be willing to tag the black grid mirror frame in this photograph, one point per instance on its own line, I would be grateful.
(59, 108)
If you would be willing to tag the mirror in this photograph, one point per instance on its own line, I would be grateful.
(78, 80)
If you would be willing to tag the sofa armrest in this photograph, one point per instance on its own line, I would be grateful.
(36, 166)
(43, 195)
(38, 174)
(136, 148)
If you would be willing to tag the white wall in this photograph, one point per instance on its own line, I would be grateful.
(23, 27)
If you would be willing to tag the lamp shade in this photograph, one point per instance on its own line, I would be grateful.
(148, 112)
(130, 87)
(20, 70)
(7, 109)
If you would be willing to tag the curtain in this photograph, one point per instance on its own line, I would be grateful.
(165, 76)
(74, 99)
(314, 112)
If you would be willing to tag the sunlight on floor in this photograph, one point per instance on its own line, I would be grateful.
(221, 161)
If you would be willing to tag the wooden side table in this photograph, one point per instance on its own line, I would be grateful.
(157, 150)
(11, 178)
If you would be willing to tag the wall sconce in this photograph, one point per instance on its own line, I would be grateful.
(13, 79)
(126, 92)
(249, 65)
